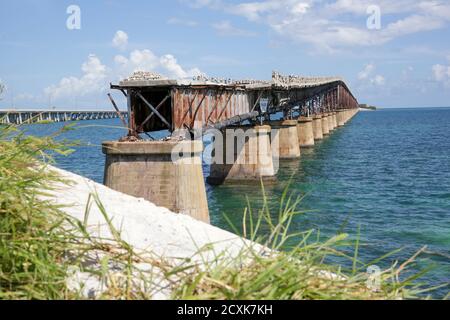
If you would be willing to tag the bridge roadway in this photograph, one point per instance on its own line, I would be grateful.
(36, 116)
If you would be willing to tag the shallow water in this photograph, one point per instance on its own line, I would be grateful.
(387, 172)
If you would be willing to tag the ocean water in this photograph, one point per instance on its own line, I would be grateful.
(385, 172)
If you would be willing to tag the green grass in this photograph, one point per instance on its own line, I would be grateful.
(294, 271)
(40, 246)
(32, 239)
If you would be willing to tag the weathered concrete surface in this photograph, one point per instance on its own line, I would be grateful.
(286, 130)
(332, 118)
(343, 116)
(340, 118)
(330, 122)
(335, 123)
(155, 234)
(147, 170)
(325, 130)
(247, 158)
(346, 116)
(317, 127)
(305, 132)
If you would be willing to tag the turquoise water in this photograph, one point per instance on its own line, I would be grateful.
(387, 172)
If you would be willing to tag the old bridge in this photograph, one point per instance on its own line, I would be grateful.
(311, 108)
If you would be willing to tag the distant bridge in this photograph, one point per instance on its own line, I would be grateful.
(36, 116)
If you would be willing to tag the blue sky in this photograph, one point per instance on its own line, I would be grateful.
(405, 63)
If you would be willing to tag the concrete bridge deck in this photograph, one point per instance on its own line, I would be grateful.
(35, 116)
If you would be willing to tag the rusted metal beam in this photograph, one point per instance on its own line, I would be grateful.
(141, 126)
(190, 107)
(234, 120)
(154, 110)
(226, 104)
(215, 106)
(257, 100)
(198, 106)
(117, 111)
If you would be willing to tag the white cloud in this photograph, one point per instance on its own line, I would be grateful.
(338, 24)
(170, 64)
(146, 60)
(441, 74)
(182, 22)
(225, 28)
(378, 80)
(254, 11)
(120, 40)
(367, 76)
(300, 8)
(138, 60)
(96, 76)
(366, 72)
(93, 80)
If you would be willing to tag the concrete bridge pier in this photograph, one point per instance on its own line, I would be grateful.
(340, 118)
(286, 130)
(325, 129)
(149, 170)
(330, 122)
(344, 116)
(305, 132)
(335, 122)
(246, 155)
(350, 114)
(317, 127)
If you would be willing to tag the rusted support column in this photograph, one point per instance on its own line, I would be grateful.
(244, 154)
(317, 127)
(288, 138)
(167, 173)
(325, 129)
(305, 132)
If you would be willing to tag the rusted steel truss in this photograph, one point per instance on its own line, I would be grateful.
(199, 107)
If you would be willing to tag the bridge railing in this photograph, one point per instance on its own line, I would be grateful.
(35, 116)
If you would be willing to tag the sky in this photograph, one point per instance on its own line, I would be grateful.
(63, 54)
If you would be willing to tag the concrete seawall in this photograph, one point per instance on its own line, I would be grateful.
(145, 226)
